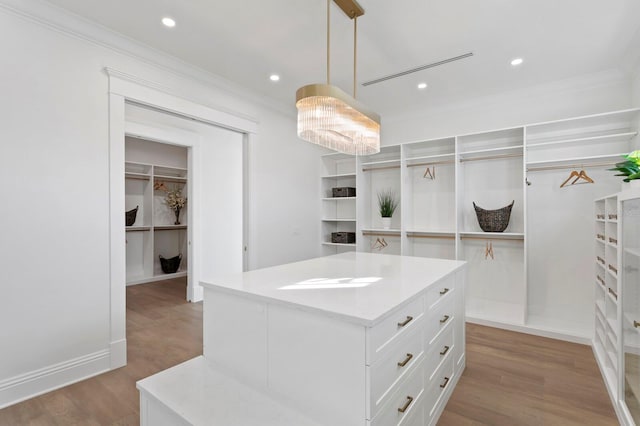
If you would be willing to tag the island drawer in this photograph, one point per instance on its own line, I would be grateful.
(437, 386)
(402, 403)
(440, 290)
(439, 316)
(399, 362)
(440, 348)
(399, 323)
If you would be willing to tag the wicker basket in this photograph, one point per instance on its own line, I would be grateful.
(130, 216)
(170, 265)
(493, 220)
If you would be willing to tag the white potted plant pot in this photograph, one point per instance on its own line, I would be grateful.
(386, 223)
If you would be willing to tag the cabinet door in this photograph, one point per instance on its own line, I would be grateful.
(631, 304)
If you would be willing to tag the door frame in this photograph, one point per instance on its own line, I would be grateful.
(124, 88)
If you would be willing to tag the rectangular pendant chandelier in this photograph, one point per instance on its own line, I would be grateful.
(329, 117)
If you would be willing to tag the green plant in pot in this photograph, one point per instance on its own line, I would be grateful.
(630, 167)
(387, 204)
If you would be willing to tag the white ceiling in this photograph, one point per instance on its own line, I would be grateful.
(247, 40)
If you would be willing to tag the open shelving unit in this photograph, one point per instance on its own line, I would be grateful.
(154, 233)
(535, 280)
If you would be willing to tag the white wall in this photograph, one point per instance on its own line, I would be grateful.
(54, 292)
(588, 94)
(635, 87)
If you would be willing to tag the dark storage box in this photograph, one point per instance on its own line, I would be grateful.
(344, 191)
(170, 265)
(343, 237)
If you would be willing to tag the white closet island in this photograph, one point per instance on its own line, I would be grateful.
(351, 339)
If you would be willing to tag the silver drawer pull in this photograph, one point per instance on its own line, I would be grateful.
(406, 360)
(405, 322)
(636, 324)
(613, 293)
(444, 291)
(444, 319)
(406, 404)
(445, 350)
(444, 384)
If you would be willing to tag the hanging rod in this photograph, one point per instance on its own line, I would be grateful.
(443, 237)
(433, 163)
(490, 237)
(380, 168)
(382, 234)
(570, 166)
(491, 157)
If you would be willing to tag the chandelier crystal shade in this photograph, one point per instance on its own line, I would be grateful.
(329, 117)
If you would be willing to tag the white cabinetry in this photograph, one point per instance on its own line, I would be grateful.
(531, 276)
(616, 343)
(384, 347)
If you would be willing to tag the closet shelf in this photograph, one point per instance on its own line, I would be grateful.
(139, 176)
(338, 244)
(435, 234)
(173, 179)
(339, 176)
(595, 138)
(169, 227)
(375, 231)
(338, 198)
(574, 162)
(338, 220)
(381, 162)
(431, 157)
(137, 228)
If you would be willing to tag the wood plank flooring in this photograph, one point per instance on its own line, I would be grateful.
(518, 379)
(511, 378)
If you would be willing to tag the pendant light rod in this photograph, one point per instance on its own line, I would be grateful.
(355, 52)
(329, 42)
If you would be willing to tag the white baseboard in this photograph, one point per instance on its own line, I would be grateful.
(38, 382)
(536, 331)
(118, 354)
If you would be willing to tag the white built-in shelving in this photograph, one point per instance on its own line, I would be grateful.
(154, 233)
(534, 277)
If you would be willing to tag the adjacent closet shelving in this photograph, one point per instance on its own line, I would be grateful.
(154, 232)
(526, 278)
(338, 213)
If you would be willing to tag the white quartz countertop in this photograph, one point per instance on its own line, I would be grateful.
(357, 287)
(203, 396)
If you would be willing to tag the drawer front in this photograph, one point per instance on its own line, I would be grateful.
(397, 324)
(440, 316)
(440, 290)
(437, 386)
(439, 349)
(400, 361)
(401, 404)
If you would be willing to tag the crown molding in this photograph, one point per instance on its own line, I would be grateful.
(62, 21)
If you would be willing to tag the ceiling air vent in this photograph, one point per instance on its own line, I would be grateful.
(421, 68)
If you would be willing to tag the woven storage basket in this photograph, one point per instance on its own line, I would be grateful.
(493, 220)
(170, 265)
(130, 216)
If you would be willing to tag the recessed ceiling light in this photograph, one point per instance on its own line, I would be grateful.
(422, 86)
(168, 22)
(516, 62)
(274, 77)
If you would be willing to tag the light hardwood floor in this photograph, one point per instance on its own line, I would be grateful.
(511, 378)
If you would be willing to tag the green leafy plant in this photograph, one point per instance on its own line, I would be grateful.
(387, 203)
(630, 167)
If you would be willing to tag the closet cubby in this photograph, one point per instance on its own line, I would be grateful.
(379, 172)
(338, 213)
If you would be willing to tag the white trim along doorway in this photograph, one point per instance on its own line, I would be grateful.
(126, 90)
